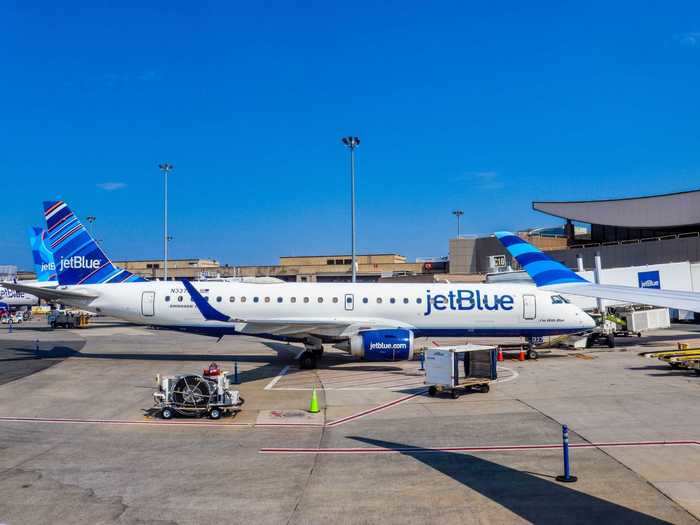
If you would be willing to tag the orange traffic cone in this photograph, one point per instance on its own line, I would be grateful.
(500, 354)
(521, 356)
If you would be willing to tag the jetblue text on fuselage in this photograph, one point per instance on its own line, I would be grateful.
(79, 263)
(466, 300)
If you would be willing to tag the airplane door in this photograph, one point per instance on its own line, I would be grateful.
(148, 300)
(529, 307)
(349, 301)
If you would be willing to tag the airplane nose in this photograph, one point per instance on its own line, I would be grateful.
(588, 321)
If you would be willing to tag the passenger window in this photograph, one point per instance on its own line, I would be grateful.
(392, 300)
(232, 299)
(405, 300)
(256, 299)
(379, 300)
(320, 299)
(419, 300)
(243, 299)
(179, 299)
(365, 300)
(279, 299)
(293, 299)
(267, 299)
(218, 299)
(306, 299)
(335, 299)
(206, 298)
(167, 298)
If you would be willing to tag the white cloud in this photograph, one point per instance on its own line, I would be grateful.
(111, 186)
(691, 39)
(486, 180)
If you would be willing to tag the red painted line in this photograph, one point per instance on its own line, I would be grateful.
(372, 410)
(317, 425)
(118, 422)
(495, 448)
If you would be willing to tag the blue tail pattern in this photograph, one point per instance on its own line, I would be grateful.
(44, 265)
(78, 258)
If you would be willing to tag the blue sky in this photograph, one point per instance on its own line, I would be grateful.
(479, 106)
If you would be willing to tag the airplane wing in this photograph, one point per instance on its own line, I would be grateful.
(50, 294)
(328, 327)
(549, 274)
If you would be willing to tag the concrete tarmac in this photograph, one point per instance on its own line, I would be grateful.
(78, 445)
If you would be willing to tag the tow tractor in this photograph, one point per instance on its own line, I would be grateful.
(197, 395)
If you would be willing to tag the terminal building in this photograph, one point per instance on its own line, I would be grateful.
(630, 232)
(627, 232)
(304, 268)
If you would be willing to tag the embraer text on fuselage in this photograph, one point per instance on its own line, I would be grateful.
(465, 300)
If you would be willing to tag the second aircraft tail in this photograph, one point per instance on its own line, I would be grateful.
(44, 266)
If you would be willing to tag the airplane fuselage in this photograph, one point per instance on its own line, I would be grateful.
(427, 309)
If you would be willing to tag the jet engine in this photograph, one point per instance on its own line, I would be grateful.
(381, 345)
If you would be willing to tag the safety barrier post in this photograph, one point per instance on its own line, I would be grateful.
(235, 373)
(422, 361)
(567, 477)
(36, 345)
(9, 325)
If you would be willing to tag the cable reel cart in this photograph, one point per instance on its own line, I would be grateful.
(471, 367)
(197, 395)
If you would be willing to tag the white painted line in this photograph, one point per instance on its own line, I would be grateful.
(509, 378)
(272, 383)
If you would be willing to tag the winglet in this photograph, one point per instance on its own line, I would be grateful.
(208, 311)
(543, 269)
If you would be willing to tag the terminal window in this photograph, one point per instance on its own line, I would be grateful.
(330, 261)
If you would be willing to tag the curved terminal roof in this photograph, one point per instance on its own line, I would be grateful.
(656, 211)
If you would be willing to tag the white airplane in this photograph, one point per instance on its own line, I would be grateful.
(376, 322)
(553, 276)
(44, 268)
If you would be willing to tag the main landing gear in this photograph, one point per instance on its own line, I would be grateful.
(308, 359)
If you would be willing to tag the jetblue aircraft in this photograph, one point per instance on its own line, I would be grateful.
(375, 322)
(44, 268)
(553, 276)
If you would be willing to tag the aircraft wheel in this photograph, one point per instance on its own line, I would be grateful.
(484, 389)
(166, 413)
(532, 354)
(454, 394)
(307, 361)
(215, 413)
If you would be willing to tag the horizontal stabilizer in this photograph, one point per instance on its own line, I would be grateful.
(51, 294)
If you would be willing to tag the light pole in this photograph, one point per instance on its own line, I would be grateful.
(91, 220)
(352, 143)
(165, 168)
(458, 214)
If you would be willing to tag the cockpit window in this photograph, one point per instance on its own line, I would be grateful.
(558, 299)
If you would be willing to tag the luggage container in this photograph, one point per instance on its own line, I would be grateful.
(466, 367)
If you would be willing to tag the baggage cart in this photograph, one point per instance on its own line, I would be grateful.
(462, 367)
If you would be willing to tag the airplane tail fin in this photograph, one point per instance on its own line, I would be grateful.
(78, 258)
(540, 267)
(44, 266)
